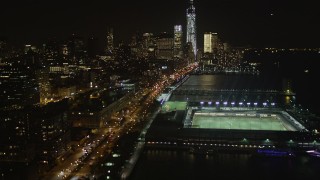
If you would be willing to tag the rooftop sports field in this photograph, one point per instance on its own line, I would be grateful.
(173, 106)
(244, 121)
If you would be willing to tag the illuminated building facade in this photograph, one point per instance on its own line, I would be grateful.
(191, 27)
(207, 46)
(210, 42)
(177, 40)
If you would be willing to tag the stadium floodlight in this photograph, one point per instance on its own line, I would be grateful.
(209, 102)
(225, 103)
(264, 103)
(217, 103)
(255, 103)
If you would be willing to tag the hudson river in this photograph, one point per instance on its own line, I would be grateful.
(170, 164)
(165, 165)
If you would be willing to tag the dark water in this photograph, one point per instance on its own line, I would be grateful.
(165, 164)
(239, 82)
(304, 85)
(236, 85)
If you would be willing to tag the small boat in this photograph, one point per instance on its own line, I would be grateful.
(275, 152)
(315, 153)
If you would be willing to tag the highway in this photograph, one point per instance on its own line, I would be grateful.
(128, 167)
(84, 159)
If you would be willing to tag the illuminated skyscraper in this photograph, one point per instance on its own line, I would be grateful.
(207, 45)
(191, 27)
(210, 42)
(177, 46)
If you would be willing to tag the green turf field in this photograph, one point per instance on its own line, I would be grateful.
(239, 122)
(173, 106)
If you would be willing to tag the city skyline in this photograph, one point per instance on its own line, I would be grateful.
(89, 90)
(257, 24)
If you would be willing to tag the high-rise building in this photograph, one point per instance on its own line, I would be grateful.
(177, 46)
(45, 87)
(147, 39)
(3, 49)
(32, 135)
(15, 135)
(109, 49)
(3, 44)
(226, 46)
(93, 47)
(207, 43)
(191, 27)
(64, 50)
(52, 130)
(210, 42)
(188, 52)
(77, 49)
(165, 44)
(18, 86)
(215, 41)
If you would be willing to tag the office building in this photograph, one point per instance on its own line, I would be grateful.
(177, 46)
(191, 27)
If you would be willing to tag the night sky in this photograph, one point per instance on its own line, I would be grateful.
(257, 23)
